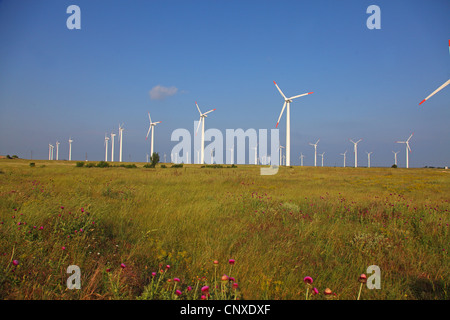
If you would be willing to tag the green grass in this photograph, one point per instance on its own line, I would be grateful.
(327, 223)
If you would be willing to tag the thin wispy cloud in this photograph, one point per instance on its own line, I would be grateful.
(160, 92)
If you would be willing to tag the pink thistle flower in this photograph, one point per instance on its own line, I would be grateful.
(203, 297)
(15, 262)
(153, 274)
(189, 288)
(123, 266)
(315, 291)
(235, 285)
(178, 293)
(63, 248)
(308, 280)
(231, 261)
(205, 289)
(176, 279)
(108, 270)
(168, 267)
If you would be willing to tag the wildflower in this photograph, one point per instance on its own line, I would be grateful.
(362, 278)
(108, 270)
(328, 291)
(203, 297)
(153, 274)
(235, 285)
(205, 289)
(308, 280)
(15, 262)
(122, 265)
(62, 207)
(41, 228)
(176, 279)
(168, 267)
(64, 248)
(189, 288)
(178, 293)
(315, 291)
(216, 263)
(231, 261)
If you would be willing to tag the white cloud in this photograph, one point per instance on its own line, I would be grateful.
(160, 92)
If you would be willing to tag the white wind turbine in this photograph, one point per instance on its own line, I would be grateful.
(152, 129)
(112, 146)
(120, 141)
(106, 147)
(57, 150)
(344, 154)
(441, 87)
(322, 157)
(315, 151)
(203, 116)
(355, 150)
(49, 151)
(408, 149)
(70, 149)
(395, 157)
(287, 102)
(368, 158)
(301, 159)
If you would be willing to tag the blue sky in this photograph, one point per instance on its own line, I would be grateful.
(57, 83)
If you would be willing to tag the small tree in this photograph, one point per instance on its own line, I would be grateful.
(154, 159)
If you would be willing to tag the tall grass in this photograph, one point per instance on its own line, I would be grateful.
(123, 227)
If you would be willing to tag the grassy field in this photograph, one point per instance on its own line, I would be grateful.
(124, 227)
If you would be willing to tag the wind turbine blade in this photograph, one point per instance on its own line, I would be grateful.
(436, 91)
(149, 117)
(210, 111)
(198, 108)
(300, 95)
(199, 122)
(284, 106)
(317, 141)
(281, 92)
(407, 144)
(410, 137)
(149, 129)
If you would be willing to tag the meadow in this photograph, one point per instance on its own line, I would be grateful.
(173, 233)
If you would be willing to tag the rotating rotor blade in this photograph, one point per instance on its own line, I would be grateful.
(199, 122)
(282, 110)
(198, 108)
(149, 117)
(210, 111)
(281, 92)
(436, 91)
(300, 95)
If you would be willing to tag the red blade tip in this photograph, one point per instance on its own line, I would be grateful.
(277, 125)
(274, 82)
(310, 92)
(422, 101)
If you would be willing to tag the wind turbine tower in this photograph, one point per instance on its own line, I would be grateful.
(368, 158)
(112, 146)
(203, 116)
(120, 142)
(344, 154)
(395, 156)
(70, 149)
(106, 147)
(315, 151)
(408, 149)
(152, 129)
(287, 103)
(57, 150)
(355, 150)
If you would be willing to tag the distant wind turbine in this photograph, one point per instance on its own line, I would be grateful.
(106, 147)
(322, 157)
(344, 154)
(152, 129)
(120, 141)
(203, 116)
(281, 154)
(287, 102)
(355, 150)
(441, 87)
(112, 146)
(368, 158)
(70, 149)
(408, 149)
(395, 157)
(301, 159)
(315, 151)
(57, 150)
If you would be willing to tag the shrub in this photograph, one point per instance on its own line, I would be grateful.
(103, 164)
(163, 166)
(154, 159)
(32, 164)
(180, 165)
(148, 165)
(90, 165)
(80, 164)
(394, 166)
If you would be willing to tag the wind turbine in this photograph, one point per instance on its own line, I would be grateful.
(70, 149)
(344, 154)
(202, 121)
(287, 102)
(355, 150)
(301, 159)
(368, 158)
(51, 151)
(315, 151)
(120, 141)
(112, 146)
(322, 157)
(57, 150)
(152, 124)
(106, 147)
(408, 149)
(441, 87)
(395, 157)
